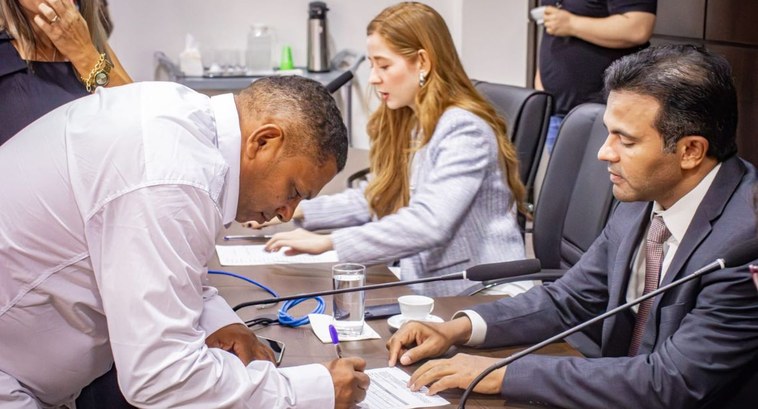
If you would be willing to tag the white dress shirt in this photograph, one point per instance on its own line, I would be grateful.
(677, 219)
(110, 209)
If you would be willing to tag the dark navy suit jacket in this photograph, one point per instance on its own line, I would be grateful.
(702, 336)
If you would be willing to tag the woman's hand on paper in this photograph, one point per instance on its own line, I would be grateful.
(300, 241)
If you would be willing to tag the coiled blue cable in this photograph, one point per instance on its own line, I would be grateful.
(284, 317)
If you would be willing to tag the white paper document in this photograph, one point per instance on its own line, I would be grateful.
(254, 255)
(320, 326)
(388, 390)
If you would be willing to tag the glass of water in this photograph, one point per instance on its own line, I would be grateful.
(348, 307)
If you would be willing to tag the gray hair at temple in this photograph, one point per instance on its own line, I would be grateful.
(305, 108)
(694, 88)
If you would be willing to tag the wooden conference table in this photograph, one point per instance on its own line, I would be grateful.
(303, 347)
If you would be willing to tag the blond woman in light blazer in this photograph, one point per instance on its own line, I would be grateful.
(444, 186)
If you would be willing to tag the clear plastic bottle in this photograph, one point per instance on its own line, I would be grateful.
(259, 42)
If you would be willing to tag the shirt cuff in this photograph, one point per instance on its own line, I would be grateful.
(312, 384)
(216, 312)
(478, 327)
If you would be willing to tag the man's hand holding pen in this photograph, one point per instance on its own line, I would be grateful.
(350, 382)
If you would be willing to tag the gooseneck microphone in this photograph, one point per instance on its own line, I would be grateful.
(738, 256)
(483, 272)
(343, 78)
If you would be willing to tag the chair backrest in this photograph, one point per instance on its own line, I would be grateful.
(527, 114)
(576, 195)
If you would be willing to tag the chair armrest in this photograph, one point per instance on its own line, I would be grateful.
(357, 176)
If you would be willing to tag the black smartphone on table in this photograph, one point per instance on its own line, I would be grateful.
(276, 346)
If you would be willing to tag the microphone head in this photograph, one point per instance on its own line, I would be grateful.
(742, 254)
(506, 269)
(338, 82)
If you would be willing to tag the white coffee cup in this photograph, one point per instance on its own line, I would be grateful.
(415, 307)
(538, 14)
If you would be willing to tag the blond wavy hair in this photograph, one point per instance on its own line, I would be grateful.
(407, 28)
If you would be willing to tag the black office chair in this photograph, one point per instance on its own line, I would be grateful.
(574, 204)
(527, 114)
(576, 196)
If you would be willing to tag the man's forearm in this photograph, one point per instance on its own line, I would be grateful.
(616, 31)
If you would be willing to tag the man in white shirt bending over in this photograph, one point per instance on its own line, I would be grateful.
(109, 212)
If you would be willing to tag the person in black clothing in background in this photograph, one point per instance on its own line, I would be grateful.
(581, 39)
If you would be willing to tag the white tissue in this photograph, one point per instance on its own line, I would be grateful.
(190, 60)
(320, 325)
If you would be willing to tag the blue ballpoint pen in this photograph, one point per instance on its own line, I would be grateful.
(335, 340)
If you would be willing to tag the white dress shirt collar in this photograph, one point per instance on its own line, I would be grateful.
(680, 214)
(228, 140)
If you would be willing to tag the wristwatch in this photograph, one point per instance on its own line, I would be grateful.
(100, 74)
(103, 76)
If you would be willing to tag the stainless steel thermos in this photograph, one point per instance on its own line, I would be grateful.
(318, 53)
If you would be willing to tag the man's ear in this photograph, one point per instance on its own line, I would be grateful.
(692, 149)
(266, 139)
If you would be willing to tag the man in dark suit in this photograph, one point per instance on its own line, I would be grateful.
(686, 198)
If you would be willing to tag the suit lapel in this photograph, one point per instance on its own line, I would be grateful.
(718, 195)
(724, 185)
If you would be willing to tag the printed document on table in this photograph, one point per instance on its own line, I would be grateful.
(255, 255)
(389, 390)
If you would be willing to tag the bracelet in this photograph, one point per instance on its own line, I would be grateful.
(102, 68)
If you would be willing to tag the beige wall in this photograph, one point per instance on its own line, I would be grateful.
(490, 34)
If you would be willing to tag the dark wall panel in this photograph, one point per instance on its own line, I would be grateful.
(730, 28)
(744, 63)
(680, 18)
(733, 21)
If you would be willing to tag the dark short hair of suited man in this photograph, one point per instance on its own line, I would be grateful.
(693, 86)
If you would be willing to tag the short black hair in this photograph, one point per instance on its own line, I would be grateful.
(694, 87)
(306, 108)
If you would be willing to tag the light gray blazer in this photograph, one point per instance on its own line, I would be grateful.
(458, 215)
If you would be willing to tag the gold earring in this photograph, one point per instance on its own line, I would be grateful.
(421, 78)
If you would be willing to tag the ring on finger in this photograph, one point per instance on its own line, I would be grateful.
(55, 19)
